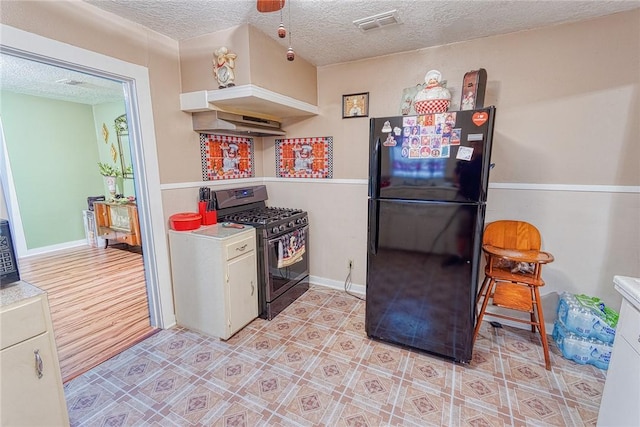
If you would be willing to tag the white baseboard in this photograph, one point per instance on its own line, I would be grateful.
(361, 290)
(548, 326)
(53, 248)
(337, 284)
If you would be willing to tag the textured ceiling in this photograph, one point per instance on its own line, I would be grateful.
(322, 31)
(34, 78)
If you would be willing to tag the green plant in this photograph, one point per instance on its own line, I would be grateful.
(108, 170)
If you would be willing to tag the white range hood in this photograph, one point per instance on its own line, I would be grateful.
(248, 99)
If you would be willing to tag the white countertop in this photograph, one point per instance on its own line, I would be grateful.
(17, 291)
(217, 231)
(629, 288)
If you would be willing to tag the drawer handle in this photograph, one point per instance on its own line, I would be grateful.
(253, 288)
(39, 365)
(242, 248)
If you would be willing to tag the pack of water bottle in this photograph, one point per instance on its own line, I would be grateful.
(585, 329)
(581, 350)
(587, 317)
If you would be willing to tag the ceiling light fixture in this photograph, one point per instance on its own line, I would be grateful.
(378, 21)
(266, 6)
(282, 31)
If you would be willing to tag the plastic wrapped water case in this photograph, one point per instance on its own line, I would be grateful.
(581, 350)
(587, 317)
(585, 329)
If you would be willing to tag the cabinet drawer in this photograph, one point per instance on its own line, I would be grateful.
(125, 238)
(629, 326)
(106, 233)
(21, 322)
(242, 247)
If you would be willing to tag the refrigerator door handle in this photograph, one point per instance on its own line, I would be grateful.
(374, 169)
(373, 226)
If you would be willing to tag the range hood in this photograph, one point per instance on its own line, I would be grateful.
(236, 124)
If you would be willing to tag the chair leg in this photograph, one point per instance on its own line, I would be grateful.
(532, 314)
(543, 332)
(484, 307)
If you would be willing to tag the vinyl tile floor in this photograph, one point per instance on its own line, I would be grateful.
(313, 365)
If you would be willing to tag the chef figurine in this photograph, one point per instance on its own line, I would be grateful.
(223, 66)
(434, 92)
(433, 89)
(468, 101)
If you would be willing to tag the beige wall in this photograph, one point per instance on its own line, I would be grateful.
(80, 24)
(261, 61)
(567, 100)
(567, 113)
(197, 55)
(271, 70)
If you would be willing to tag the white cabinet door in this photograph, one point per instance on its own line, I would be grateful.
(621, 397)
(26, 399)
(242, 290)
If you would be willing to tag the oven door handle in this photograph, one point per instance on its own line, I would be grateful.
(306, 235)
(273, 243)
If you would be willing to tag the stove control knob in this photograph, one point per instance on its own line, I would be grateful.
(291, 224)
(282, 227)
(298, 221)
(275, 229)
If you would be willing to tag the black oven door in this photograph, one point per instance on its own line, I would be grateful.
(287, 260)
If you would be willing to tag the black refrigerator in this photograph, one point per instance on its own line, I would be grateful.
(428, 179)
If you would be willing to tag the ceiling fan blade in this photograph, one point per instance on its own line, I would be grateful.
(270, 5)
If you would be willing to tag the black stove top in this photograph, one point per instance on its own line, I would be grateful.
(272, 221)
(265, 215)
(247, 206)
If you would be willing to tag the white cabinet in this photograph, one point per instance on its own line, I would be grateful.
(621, 395)
(31, 386)
(214, 276)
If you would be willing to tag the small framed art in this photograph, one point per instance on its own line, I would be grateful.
(355, 105)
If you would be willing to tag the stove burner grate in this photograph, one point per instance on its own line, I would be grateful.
(264, 215)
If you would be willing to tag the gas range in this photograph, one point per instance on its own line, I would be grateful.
(247, 206)
(273, 220)
(282, 244)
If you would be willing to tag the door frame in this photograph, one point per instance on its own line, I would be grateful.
(135, 80)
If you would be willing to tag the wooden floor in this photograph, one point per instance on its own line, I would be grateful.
(98, 302)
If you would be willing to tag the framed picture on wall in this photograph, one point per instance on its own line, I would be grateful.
(355, 105)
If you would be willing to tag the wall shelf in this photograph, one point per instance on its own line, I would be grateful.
(247, 99)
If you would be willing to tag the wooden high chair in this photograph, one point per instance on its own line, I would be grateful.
(512, 275)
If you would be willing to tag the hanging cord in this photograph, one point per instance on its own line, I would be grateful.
(347, 285)
(289, 6)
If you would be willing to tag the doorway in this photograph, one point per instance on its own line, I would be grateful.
(55, 135)
(135, 79)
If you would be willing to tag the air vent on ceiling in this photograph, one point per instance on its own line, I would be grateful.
(378, 21)
(70, 82)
